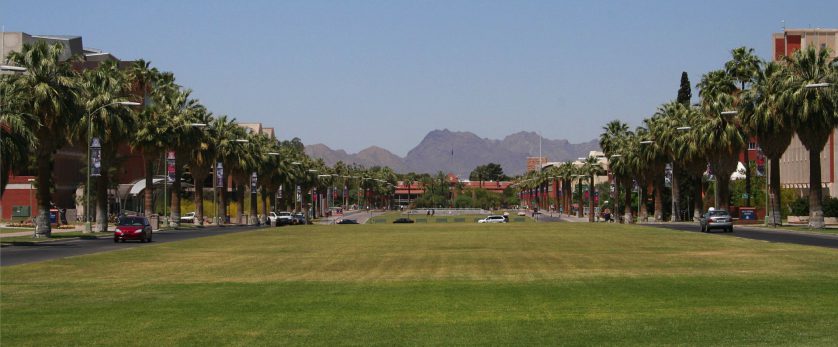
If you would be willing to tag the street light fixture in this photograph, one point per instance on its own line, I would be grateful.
(242, 140)
(728, 113)
(616, 155)
(12, 68)
(684, 128)
(647, 142)
(87, 228)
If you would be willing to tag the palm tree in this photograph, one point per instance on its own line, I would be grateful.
(592, 168)
(100, 87)
(147, 138)
(744, 67)
(768, 118)
(613, 144)
(815, 109)
(48, 93)
(566, 172)
(179, 108)
(201, 158)
(722, 137)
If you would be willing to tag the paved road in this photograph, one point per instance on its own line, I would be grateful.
(764, 234)
(35, 252)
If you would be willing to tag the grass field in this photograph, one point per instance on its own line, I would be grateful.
(431, 284)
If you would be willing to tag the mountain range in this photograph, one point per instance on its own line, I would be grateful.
(460, 152)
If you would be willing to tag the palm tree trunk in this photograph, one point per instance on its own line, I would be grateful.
(698, 198)
(240, 203)
(222, 209)
(676, 197)
(198, 197)
(591, 212)
(774, 214)
(253, 207)
(644, 211)
(581, 196)
(747, 175)
(629, 215)
(148, 192)
(263, 218)
(174, 220)
(659, 184)
(45, 183)
(102, 200)
(815, 191)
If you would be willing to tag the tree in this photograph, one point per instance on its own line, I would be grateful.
(112, 124)
(684, 92)
(18, 140)
(613, 142)
(200, 158)
(48, 94)
(592, 168)
(767, 117)
(722, 139)
(743, 67)
(148, 137)
(816, 112)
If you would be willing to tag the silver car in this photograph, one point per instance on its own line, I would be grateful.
(717, 219)
(492, 219)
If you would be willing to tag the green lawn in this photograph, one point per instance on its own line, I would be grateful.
(431, 284)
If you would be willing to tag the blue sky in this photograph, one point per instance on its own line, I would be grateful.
(352, 74)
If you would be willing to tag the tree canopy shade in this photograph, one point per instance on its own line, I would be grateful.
(488, 172)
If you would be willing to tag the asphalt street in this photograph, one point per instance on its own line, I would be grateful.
(41, 251)
(762, 233)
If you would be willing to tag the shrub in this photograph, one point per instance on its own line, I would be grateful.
(830, 207)
(800, 207)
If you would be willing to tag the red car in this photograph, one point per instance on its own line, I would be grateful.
(132, 228)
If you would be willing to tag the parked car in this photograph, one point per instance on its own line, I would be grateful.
(493, 219)
(298, 218)
(284, 218)
(716, 219)
(403, 220)
(347, 221)
(522, 213)
(188, 218)
(132, 228)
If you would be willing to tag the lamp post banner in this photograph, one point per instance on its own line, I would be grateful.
(170, 166)
(95, 157)
(253, 182)
(219, 175)
(299, 196)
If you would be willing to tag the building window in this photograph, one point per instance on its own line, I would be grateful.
(752, 145)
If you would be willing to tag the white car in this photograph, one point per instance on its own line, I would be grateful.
(492, 219)
(281, 218)
(188, 218)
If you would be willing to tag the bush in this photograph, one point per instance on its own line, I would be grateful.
(830, 207)
(799, 207)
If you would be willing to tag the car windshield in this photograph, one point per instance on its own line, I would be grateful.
(718, 214)
(129, 221)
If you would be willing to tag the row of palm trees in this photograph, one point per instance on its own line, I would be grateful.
(54, 105)
(748, 98)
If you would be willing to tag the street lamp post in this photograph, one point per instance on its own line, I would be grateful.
(87, 228)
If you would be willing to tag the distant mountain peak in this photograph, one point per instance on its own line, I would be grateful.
(433, 153)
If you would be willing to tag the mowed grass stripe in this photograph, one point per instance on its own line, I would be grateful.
(431, 284)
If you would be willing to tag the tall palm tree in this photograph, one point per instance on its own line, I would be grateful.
(768, 118)
(147, 138)
(179, 107)
(566, 172)
(743, 67)
(48, 94)
(100, 87)
(816, 112)
(723, 138)
(592, 168)
(201, 158)
(613, 143)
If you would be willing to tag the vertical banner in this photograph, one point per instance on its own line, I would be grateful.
(170, 166)
(279, 193)
(253, 183)
(219, 174)
(299, 196)
(95, 157)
